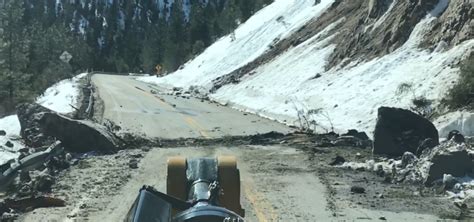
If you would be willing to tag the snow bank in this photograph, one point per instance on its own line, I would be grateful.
(58, 97)
(62, 95)
(252, 39)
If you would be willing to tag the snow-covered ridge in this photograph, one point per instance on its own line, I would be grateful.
(298, 79)
(60, 98)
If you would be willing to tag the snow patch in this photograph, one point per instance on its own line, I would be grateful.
(62, 96)
(11, 126)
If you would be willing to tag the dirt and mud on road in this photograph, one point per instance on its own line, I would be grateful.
(285, 175)
(285, 182)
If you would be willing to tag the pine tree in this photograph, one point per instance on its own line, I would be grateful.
(247, 8)
(230, 16)
(177, 42)
(14, 50)
(152, 49)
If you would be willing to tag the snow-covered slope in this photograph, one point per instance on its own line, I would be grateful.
(252, 39)
(348, 94)
(58, 97)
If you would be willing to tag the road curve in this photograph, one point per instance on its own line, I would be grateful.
(131, 105)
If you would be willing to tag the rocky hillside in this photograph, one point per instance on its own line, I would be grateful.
(336, 62)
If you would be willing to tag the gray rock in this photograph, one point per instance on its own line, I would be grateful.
(357, 189)
(145, 149)
(456, 136)
(6, 165)
(458, 163)
(408, 158)
(25, 190)
(136, 156)
(3, 133)
(347, 141)
(44, 183)
(31, 132)
(133, 164)
(68, 157)
(380, 171)
(398, 131)
(427, 144)
(357, 134)
(338, 160)
(9, 144)
(41, 126)
(25, 176)
(78, 135)
(449, 181)
(38, 160)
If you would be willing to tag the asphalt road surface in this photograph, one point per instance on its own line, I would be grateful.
(131, 105)
(278, 183)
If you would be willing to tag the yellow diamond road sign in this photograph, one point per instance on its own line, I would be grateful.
(65, 57)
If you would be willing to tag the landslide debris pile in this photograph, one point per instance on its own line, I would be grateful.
(27, 181)
(55, 142)
(450, 157)
(406, 150)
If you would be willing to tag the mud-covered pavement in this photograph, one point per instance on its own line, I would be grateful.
(284, 177)
(279, 183)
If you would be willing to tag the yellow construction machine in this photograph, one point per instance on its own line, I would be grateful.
(197, 189)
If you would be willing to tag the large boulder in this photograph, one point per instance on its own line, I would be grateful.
(357, 134)
(28, 115)
(42, 127)
(78, 135)
(398, 131)
(449, 158)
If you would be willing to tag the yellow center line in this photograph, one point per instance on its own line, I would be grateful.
(189, 120)
(196, 125)
(258, 203)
